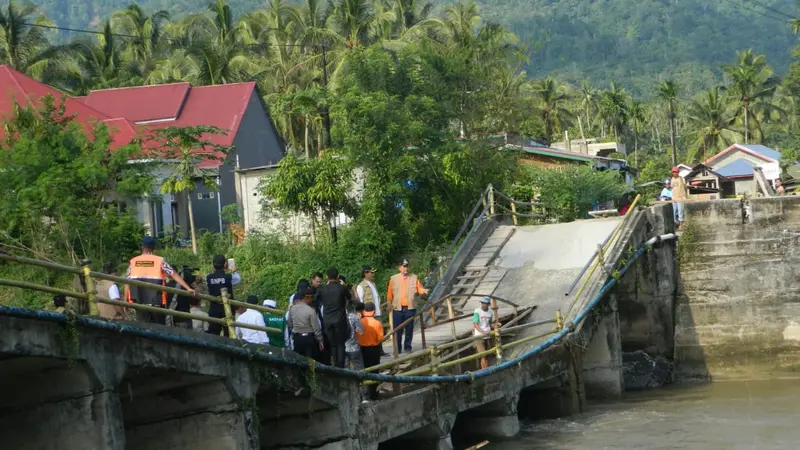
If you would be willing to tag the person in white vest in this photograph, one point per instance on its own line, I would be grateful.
(367, 292)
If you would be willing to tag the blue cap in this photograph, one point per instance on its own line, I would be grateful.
(149, 242)
(486, 300)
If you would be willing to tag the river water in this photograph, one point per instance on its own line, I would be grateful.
(752, 415)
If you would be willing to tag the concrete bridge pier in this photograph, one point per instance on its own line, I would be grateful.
(495, 420)
(51, 403)
(434, 436)
(603, 371)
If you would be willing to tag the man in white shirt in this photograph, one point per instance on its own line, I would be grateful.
(251, 317)
(195, 310)
(366, 290)
(482, 320)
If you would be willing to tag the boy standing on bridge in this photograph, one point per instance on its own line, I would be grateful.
(482, 324)
(370, 341)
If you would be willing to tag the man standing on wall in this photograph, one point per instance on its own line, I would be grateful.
(153, 269)
(482, 326)
(401, 293)
(679, 195)
(333, 299)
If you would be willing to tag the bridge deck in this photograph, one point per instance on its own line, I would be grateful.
(530, 266)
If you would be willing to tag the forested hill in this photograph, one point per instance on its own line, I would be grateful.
(633, 42)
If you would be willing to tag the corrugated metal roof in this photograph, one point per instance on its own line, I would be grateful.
(763, 150)
(740, 167)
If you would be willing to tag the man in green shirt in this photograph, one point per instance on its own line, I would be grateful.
(275, 321)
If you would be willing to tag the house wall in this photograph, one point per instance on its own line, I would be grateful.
(745, 186)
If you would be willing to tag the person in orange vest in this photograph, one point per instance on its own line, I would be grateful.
(150, 268)
(370, 341)
(401, 294)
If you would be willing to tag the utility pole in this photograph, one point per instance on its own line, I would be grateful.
(326, 117)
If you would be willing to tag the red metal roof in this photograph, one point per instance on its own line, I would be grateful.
(19, 88)
(140, 104)
(129, 111)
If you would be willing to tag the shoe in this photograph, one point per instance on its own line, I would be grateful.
(407, 350)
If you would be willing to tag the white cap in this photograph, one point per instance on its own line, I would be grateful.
(270, 303)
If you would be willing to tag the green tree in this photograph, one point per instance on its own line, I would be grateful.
(612, 109)
(61, 186)
(23, 38)
(713, 120)
(553, 99)
(188, 146)
(638, 120)
(753, 85)
(668, 93)
(317, 188)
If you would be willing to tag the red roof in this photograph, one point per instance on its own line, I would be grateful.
(131, 112)
(140, 104)
(18, 88)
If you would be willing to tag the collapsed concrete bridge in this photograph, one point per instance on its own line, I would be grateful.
(83, 383)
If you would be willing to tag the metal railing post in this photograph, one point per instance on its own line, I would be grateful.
(422, 330)
(228, 313)
(90, 288)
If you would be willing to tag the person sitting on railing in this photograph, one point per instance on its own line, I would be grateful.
(305, 325)
(110, 290)
(401, 292)
(150, 268)
(482, 323)
(249, 316)
(216, 281)
(370, 341)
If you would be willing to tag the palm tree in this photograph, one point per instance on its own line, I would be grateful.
(553, 98)
(149, 30)
(22, 44)
(668, 92)
(636, 116)
(587, 101)
(753, 86)
(353, 20)
(712, 119)
(612, 109)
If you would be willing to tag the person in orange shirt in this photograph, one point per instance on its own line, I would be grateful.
(401, 295)
(370, 341)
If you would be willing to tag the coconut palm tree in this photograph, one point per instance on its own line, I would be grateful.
(713, 120)
(753, 85)
(668, 93)
(612, 109)
(587, 102)
(21, 44)
(553, 98)
(636, 115)
(134, 21)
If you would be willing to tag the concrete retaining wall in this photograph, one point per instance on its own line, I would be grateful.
(738, 316)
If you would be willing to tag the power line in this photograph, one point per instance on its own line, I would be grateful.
(762, 13)
(775, 10)
(166, 38)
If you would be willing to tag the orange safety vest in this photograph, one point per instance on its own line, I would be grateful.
(147, 268)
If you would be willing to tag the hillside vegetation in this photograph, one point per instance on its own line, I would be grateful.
(631, 42)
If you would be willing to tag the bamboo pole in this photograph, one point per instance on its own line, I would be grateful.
(450, 316)
(90, 289)
(514, 213)
(229, 318)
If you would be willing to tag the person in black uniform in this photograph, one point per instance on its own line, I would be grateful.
(333, 299)
(216, 281)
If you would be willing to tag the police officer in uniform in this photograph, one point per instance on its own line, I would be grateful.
(150, 268)
(216, 281)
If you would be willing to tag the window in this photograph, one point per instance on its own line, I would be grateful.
(201, 196)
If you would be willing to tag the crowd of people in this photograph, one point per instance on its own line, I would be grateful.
(330, 321)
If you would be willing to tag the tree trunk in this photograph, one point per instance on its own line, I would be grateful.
(191, 223)
(672, 134)
(746, 124)
(307, 142)
(635, 148)
(313, 231)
